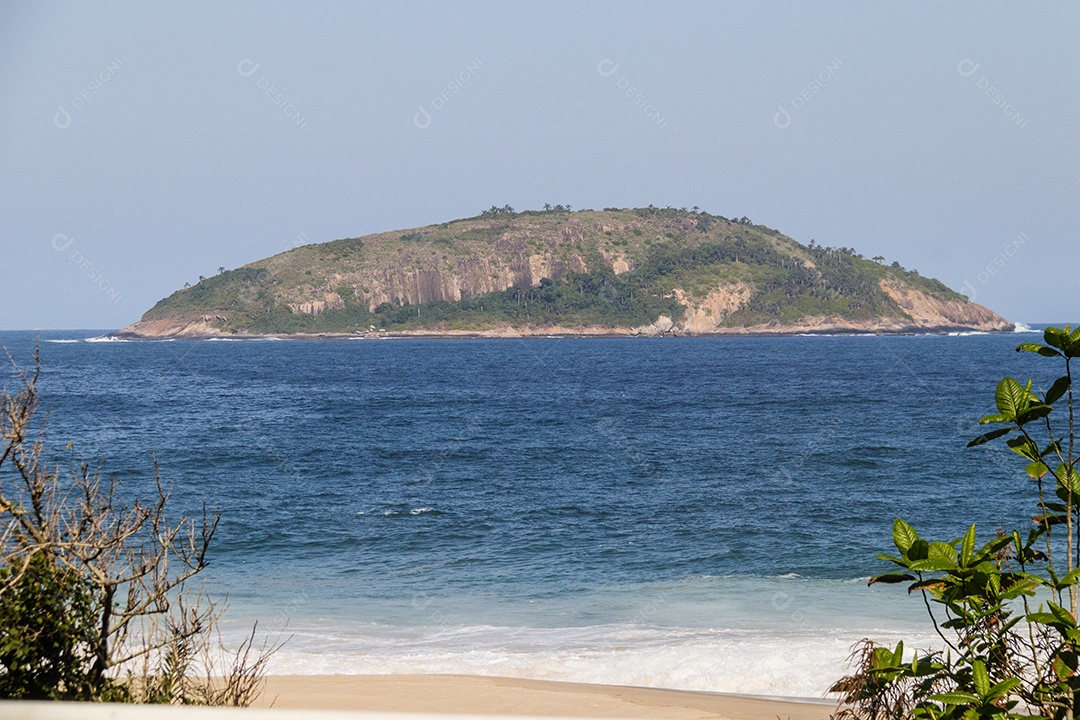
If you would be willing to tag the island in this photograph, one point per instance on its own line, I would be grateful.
(557, 272)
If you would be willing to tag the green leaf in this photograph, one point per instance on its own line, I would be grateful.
(992, 435)
(1037, 348)
(1037, 469)
(904, 536)
(920, 550)
(931, 584)
(1002, 688)
(891, 558)
(1011, 398)
(1061, 669)
(1055, 337)
(1053, 448)
(955, 697)
(1063, 616)
(1024, 447)
(1057, 390)
(1068, 479)
(1072, 342)
(1034, 413)
(891, 578)
(942, 551)
(932, 565)
(884, 658)
(995, 418)
(1051, 519)
(967, 547)
(1071, 578)
(1019, 589)
(980, 677)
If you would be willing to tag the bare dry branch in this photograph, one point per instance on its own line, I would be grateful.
(129, 566)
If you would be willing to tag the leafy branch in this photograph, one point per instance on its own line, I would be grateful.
(1005, 658)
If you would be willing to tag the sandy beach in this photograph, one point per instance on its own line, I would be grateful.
(511, 696)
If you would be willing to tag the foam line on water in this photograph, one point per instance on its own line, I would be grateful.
(786, 664)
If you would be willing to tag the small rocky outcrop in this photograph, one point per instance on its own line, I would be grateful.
(662, 326)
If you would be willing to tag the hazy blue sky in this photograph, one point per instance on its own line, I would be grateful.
(143, 144)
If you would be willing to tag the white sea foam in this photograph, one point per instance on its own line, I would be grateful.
(245, 339)
(62, 342)
(786, 635)
(106, 338)
(794, 664)
(1024, 328)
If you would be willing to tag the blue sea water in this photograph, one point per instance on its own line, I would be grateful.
(697, 513)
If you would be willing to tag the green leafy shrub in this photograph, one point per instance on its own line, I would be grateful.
(1007, 608)
(46, 629)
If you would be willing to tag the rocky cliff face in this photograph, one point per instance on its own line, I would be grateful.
(466, 277)
(930, 312)
(925, 314)
(708, 314)
(202, 326)
(425, 269)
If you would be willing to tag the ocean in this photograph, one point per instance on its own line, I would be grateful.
(692, 513)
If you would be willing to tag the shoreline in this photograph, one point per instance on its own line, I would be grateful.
(492, 695)
(514, 335)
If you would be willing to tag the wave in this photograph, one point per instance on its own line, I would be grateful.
(793, 663)
(413, 511)
(244, 339)
(106, 338)
(63, 342)
(1023, 328)
(838, 335)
